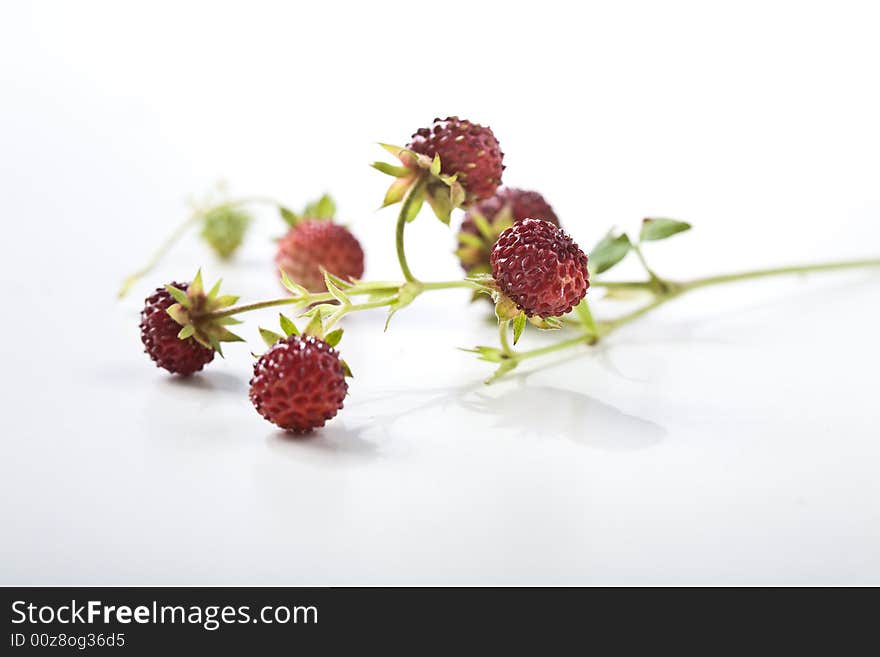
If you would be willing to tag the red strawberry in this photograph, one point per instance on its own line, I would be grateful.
(159, 335)
(540, 268)
(299, 383)
(467, 150)
(473, 253)
(315, 243)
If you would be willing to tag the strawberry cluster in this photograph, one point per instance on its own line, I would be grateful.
(299, 383)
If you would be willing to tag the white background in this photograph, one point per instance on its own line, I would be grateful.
(730, 438)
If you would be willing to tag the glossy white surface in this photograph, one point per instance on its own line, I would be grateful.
(732, 437)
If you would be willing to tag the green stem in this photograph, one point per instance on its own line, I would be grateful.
(503, 330)
(170, 241)
(675, 290)
(780, 271)
(586, 317)
(651, 273)
(321, 297)
(413, 195)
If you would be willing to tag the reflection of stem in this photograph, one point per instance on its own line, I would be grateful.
(412, 196)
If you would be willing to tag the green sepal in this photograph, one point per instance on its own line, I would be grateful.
(346, 369)
(295, 289)
(224, 301)
(334, 291)
(610, 250)
(271, 338)
(519, 325)
(391, 169)
(178, 314)
(415, 205)
(287, 325)
(186, 331)
(215, 345)
(289, 216)
(196, 288)
(483, 226)
(488, 354)
(323, 208)
(435, 165)
(397, 191)
(227, 321)
(469, 239)
(315, 327)
(179, 296)
(215, 290)
(502, 369)
(660, 229)
(333, 337)
(406, 294)
(440, 200)
(546, 323)
(505, 308)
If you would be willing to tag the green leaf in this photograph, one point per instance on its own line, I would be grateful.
(179, 295)
(333, 337)
(186, 331)
(519, 325)
(610, 250)
(346, 369)
(270, 337)
(660, 229)
(288, 215)
(391, 169)
(288, 326)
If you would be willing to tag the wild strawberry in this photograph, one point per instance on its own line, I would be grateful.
(299, 383)
(508, 206)
(540, 268)
(467, 150)
(313, 244)
(159, 333)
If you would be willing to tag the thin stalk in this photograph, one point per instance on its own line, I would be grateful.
(413, 194)
(503, 330)
(676, 290)
(780, 271)
(170, 241)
